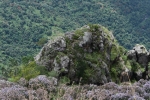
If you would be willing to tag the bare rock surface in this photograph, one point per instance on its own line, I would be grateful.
(140, 55)
(49, 51)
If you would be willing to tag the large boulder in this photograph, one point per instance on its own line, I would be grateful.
(49, 52)
(140, 55)
(91, 54)
(84, 53)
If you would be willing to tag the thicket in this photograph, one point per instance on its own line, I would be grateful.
(28, 69)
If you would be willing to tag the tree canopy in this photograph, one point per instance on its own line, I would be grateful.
(25, 25)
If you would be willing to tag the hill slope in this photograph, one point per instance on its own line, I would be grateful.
(25, 24)
(89, 56)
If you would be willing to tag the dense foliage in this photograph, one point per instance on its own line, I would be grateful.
(137, 12)
(26, 25)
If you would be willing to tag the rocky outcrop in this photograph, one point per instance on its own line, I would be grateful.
(48, 52)
(84, 53)
(140, 55)
(91, 54)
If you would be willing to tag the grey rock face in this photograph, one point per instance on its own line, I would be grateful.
(48, 52)
(69, 35)
(69, 55)
(140, 54)
(132, 55)
(87, 39)
(63, 63)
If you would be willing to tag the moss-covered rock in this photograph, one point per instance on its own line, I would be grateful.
(139, 58)
(89, 54)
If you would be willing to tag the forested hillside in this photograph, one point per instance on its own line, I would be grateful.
(138, 14)
(26, 24)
